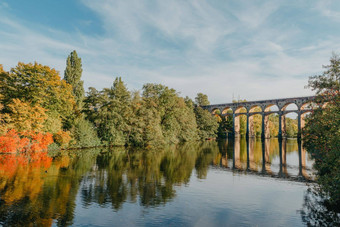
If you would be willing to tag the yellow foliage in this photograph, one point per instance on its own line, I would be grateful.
(39, 84)
(24, 117)
(3, 126)
(62, 138)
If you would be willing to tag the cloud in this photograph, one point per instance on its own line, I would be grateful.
(218, 48)
(329, 9)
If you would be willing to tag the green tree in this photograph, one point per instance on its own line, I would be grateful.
(291, 127)
(202, 100)
(207, 124)
(177, 119)
(84, 133)
(110, 111)
(82, 130)
(72, 76)
(146, 129)
(321, 135)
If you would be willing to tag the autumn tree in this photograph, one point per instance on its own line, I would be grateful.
(41, 86)
(321, 134)
(25, 117)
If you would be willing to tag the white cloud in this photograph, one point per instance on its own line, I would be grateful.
(329, 8)
(192, 46)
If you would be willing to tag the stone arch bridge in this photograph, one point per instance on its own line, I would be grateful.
(303, 104)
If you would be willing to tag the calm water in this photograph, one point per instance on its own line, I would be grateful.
(225, 183)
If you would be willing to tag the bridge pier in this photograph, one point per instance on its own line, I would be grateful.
(299, 124)
(280, 126)
(263, 133)
(247, 129)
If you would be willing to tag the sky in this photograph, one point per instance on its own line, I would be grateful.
(226, 49)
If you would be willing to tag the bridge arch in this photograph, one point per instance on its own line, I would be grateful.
(271, 107)
(227, 110)
(241, 109)
(255, 124)
(215, 111)
(255, 108)
(290, 106)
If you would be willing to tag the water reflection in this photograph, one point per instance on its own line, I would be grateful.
(45, 192)
(317, 211)
(275, 158)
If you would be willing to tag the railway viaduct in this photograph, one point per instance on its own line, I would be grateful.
(235, 109)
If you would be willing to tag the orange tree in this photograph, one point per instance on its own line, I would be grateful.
(322, 132)
(24, 142)
(42, 86)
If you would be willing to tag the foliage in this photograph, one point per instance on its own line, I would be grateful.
(33, 97)
(321, 134)
(24, 117)
(24, 142)
(146, 130)
(40, 86)
(62, 138)
(206, 123)
(84, 134)
(175, 118)
(72, 76)
(110, 111)
(3, 124)
(202, 100)
(225, 126)
(291, 127)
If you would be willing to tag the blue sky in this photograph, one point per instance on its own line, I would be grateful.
(249, 49)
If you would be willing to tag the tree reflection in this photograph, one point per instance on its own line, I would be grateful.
(317, 211)
(146, 176)
(43, 191)
(36, 191)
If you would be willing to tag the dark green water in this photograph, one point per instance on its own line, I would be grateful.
(225, 183)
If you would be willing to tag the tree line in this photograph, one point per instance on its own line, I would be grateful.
(34, 98)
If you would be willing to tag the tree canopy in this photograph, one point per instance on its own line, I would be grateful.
(321, 134)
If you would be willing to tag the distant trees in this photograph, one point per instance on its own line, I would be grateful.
(34, 97)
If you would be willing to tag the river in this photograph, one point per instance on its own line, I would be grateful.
(215, 183)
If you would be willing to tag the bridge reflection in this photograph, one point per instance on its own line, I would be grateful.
(271, 157)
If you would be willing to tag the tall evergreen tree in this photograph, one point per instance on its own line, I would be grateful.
(72, 75)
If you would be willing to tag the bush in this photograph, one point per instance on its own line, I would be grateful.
(84, 134)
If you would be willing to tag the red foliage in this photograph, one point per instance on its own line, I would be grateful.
(9, 163)
(24, 142)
